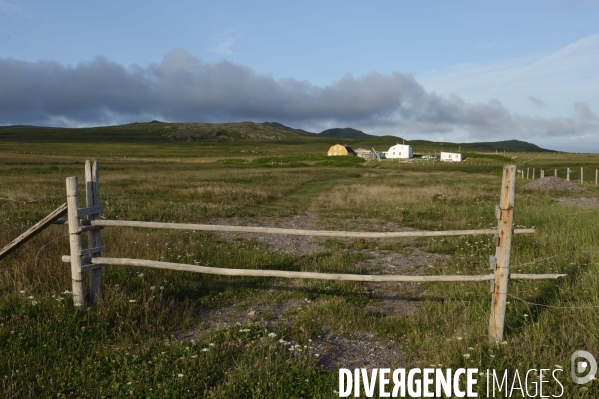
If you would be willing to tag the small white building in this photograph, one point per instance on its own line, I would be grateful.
(451, 157)
(399, 151)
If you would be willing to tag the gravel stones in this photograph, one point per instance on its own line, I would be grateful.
(553, 183)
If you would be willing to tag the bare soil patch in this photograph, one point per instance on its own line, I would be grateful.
(334, 349)
(297, 245)
(553, 184)
(360, 350)
(400, 298)
(271, 316)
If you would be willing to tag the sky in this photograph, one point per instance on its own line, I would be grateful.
(460, 71)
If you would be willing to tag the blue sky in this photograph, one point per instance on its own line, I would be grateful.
(453, 71)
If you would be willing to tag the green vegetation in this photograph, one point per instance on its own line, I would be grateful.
(193, 140)
(345, 133)
(138, 341)
(496, 157)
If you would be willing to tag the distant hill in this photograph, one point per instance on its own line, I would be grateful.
(506, 145)
(243, 133)
(382, 143)
(345, 133)
(280, 126)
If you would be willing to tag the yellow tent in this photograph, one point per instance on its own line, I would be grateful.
(341, 149)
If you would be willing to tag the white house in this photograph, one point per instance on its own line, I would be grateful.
(451, 157)
(399, 151)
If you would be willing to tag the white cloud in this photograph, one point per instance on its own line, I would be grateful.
(184, 88)
(224, 43)
(7, 6)
(223, 48)
(558, 80)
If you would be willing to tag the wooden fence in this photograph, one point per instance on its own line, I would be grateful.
(84, 260)
(568, 171)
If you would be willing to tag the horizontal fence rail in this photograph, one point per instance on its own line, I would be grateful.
(311, 275)
(313, 233)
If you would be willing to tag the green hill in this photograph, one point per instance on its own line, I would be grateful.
(344, 133)
(220, 138)
(280, 126)
(507, 146)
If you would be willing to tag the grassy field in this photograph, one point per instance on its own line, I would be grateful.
(156, 333)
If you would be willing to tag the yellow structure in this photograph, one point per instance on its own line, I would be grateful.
(341, 149)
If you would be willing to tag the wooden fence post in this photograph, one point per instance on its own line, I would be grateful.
(596, 175)
(581, 176)
(75, 241)
(527, 170)
(533, 173)
(568, 174)
(555, 173)
(502, 271)
(92, 198)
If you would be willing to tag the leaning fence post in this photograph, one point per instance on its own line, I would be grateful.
(502, 270)
(75, 241)
(92, 198)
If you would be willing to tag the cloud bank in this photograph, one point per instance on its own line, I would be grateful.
(183, 88)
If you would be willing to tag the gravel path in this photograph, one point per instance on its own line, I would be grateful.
(334, 349)
(553, 183)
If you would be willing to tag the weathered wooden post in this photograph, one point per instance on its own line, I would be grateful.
(533, 173)
(502, 270)
(527, 170)
(92, 197)
(568, 174)
(581, 176)
(75, 241)
(596, 175)
(555, 173)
